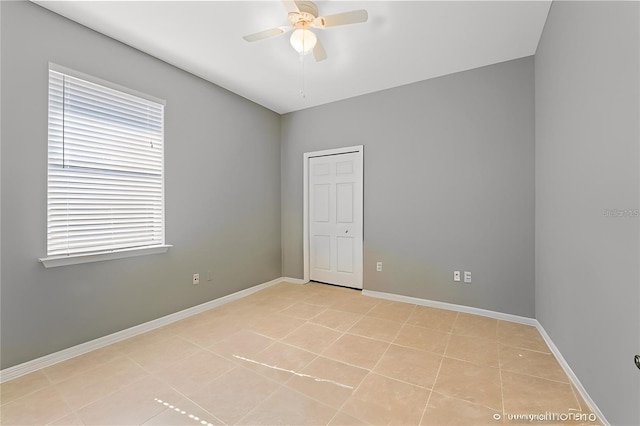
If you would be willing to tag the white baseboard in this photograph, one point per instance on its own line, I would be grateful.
(451, 307)
(504, 317)
(74, 351)
(572, 376)
(294, 280)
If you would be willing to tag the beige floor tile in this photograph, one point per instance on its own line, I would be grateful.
(291, 291)
(356, 304)
(85, 388)
(274, 303)
(312, 337)
(376, 328)
(477, 384)
(392, 311)
(69, 368)
(475, 326)
(191, 374)
(325, 298)
(521, 336)
(343, 419)
(133, 404)
(147, 379)
(330, 290)
(251, 300)
(244, 343)
(234, 394)
(439, 319)
(443, 411)
(328, 381)
(235, 310)
(303, 310)
(37, 408)
(527, 394)
(279, 361)
(277, 326)
(191, 323)
(72, 419)
(216, 313)
(208, 333)
(410, 365)
(355, 350)
(477, 350)
(148, 340)
(532, 363)
(338, 320)
(233, 319)
(380, 400)
(288, 289)
(288, 407)
(173, 349)
(182, 414)
(22, 386)
(422, 338)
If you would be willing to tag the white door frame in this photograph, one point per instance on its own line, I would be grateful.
(305, 198)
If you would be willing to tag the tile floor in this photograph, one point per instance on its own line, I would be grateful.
(306, 354)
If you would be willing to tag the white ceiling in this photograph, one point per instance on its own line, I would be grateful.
(402, 42)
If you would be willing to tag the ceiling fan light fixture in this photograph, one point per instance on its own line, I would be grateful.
(303, 41)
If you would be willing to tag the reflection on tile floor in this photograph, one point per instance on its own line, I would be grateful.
(306, 355)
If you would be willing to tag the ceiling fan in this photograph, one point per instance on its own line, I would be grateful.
(304, 15)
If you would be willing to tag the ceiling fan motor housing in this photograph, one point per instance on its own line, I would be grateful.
(307, 15)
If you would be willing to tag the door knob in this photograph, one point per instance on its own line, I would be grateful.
(346, 232)
(636, 359)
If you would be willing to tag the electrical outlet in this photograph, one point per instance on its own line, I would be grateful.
(379, 266)
(209, 276)
(467, 277)
(456, 275)
(196, 279)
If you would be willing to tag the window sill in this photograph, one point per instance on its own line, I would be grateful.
(55, 261)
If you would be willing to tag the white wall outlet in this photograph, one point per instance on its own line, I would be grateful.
(456, 275)
(196, 279)
(379, 266)
(209, 276)
(467, 276)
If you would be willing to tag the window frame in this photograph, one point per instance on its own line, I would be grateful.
(94, 256)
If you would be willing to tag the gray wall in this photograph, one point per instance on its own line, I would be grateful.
(587, 160)
(448, 185)
(222, 193)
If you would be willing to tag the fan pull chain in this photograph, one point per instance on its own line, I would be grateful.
(303, 93)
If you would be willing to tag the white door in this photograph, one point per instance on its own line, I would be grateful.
(335, 219)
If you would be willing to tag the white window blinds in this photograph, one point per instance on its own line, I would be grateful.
(105, 168)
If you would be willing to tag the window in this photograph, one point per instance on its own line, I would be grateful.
(105, 170)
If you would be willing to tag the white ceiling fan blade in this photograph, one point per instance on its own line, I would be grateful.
(318, 52)
(353, 17)
(264, 34)
(290, 6)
